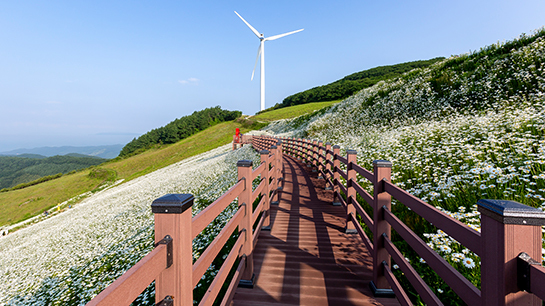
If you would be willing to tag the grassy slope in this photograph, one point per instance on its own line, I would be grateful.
(18, 170)
(293, 111)
(22, 204)
(351, 84)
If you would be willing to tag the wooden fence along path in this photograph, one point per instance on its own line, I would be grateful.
(307, 258)
(311, 248)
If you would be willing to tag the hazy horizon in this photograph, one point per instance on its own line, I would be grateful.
(69, 141)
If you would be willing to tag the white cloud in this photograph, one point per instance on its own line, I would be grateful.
(189, 81)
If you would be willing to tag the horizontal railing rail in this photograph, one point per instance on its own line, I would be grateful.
(488, 244)
(125, 289)
(530, 275)
(454, 228)
(171, 265)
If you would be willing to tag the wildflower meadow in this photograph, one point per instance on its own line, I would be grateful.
(466, 128)
(470, 127)
(70, 258)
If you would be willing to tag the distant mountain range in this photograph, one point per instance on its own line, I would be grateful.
(110, 151)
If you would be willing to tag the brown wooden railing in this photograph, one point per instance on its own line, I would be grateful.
(509, 241)
(171, 265)
(241, 140)
(508, 229)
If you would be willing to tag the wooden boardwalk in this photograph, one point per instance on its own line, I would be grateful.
(307, 259)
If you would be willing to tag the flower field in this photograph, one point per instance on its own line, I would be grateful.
(68, 259)
(470, 127)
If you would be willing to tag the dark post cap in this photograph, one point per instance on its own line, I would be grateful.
(350, 152)
(511, 212)
(328, 143)
(279, 142)
(172, 203)
(382, 163)
(274, 147)
(245, 163)
(262, 152)
(336, 147)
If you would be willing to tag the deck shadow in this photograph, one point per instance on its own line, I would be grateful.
(307, 259)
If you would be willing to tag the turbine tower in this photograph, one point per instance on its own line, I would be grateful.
(261, 51)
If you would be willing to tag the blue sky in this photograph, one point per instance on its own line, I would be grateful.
(102, 72)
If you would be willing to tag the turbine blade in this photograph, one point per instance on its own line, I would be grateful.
(282, 35)
(256, 59)
(251, 28)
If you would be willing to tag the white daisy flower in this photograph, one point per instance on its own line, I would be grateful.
(469, 263)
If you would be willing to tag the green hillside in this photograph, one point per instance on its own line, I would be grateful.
(466, 128)
(461, 129)
(353, 83)
(18, 205)
(15, 170)
(179, 129)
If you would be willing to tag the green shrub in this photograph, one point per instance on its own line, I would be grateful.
(103, 174)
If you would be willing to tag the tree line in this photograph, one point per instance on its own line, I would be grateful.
(179, 129)
(349, 85)
(23, 171)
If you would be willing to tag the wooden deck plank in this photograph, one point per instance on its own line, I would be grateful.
(307, 259)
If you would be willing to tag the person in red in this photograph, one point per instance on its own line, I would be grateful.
(236, 138)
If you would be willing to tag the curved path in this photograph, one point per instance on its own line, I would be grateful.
(307, 259)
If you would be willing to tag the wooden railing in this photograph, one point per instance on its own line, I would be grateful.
(241, 140)
(509, 241)
(171, 265)
(508, 229)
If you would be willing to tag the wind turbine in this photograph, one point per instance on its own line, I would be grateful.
(261, 51)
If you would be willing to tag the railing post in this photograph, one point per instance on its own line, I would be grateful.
(336, 165)
(314, 156)
(280, 172)
(320, 160)
(507, 229)
(309, 152)
(327, 165)
(173, 218)
(301, 148)
(291, 140)
(274, 151)
(246, 225)
(351, 156)
(267, 205)
(382, 171)
(273, 177)
(304, 150)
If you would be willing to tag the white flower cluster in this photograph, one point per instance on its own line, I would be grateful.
(453, 133)
(71, 257)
